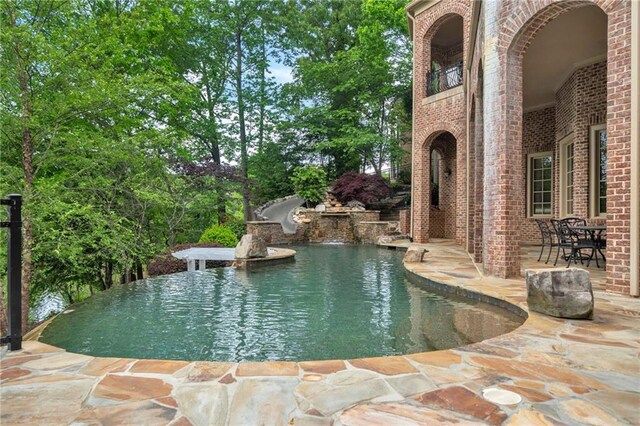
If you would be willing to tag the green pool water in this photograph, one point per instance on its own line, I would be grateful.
(335, 301)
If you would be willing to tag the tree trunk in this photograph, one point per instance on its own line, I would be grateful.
(27, 164)
(246, 203)
(214, 147)
(108, 274)
(101, 279)
(263, 88)
(139, 271)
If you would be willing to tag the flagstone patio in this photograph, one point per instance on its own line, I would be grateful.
(566, 371)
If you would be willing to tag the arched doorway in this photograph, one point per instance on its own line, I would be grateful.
(442, 176)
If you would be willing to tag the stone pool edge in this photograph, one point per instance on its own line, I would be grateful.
(564, 369)
(458, 290)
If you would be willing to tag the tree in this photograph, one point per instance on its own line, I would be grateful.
(129, 126)
(352, 76)
(310, 183)
(362, 187)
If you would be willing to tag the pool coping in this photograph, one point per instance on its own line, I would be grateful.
(537, 360)
(279, 256)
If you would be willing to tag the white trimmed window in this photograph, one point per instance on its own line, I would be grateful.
(539, 184)
(598, 171)
(567, 151)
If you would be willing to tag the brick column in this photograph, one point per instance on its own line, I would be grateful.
(421, 194)
(478, 174)
(502, 154)
(405, 218)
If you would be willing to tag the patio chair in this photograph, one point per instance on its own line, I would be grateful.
(572, 241)
(547, 239)
(576, 221)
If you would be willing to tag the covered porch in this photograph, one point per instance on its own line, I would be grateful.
(564, 123)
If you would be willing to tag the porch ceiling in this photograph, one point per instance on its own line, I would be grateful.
(571, 41)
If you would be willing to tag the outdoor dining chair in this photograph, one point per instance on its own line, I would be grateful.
(547, 237)
(571, 241)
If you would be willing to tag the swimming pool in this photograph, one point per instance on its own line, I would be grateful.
(334, 302)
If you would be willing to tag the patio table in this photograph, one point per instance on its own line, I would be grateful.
(595, 232)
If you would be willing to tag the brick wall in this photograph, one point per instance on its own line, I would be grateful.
(591, 109)
(580, 103)
(476, 145)
(432, 118)
(592, 94)
(449, 55)
(538, 135)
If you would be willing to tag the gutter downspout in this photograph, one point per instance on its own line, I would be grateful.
(473, 32)
(468, 155)
(413, 130)
(634, 233)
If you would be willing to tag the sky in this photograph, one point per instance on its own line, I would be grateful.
(280, 72)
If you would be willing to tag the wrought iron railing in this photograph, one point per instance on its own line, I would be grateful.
(444, 78)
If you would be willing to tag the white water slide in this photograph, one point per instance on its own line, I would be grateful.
(282, 211)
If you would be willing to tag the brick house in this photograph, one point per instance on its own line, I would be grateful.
(526, 110)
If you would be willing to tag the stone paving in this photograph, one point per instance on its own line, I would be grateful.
(565, 371)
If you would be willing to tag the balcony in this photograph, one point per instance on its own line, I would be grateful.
(444, 78)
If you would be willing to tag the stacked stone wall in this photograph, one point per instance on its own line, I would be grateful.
(368, 232)
(320, 227)
(272, 233)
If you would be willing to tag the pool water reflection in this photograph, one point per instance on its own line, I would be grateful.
(335, 301)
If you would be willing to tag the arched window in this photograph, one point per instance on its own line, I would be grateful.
(445, 69)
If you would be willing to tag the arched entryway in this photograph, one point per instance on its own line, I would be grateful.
(442, 215)
(436, 212)
(552, 104)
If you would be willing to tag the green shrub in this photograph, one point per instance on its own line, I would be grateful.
(237, 226)
(219, 234)
(310, 183)
(404, 176)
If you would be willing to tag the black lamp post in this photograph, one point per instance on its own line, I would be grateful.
(14, 272)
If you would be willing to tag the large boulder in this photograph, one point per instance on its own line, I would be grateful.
(384, 239)
(414, 254)
(250, 246)
(563, 293)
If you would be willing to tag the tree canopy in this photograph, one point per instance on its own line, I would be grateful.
(131, 126)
